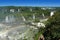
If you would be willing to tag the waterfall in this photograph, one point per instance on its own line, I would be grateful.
(11, 10)
(43, 15)
(31, 9)
(18, 10)
(6, 19)
(9, 18)
(23, 18)
(33, 16)
(52, 13)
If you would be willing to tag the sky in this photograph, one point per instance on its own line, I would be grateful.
(43, 3)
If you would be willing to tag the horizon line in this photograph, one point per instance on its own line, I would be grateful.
(28, 6)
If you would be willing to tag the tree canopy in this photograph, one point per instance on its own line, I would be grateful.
(52, 30)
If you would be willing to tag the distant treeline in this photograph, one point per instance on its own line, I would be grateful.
(26, 11)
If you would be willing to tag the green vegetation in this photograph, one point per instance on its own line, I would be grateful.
(41, 31)
(52, 30)
(23, 10)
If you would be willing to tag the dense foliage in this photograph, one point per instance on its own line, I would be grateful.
(52, 31)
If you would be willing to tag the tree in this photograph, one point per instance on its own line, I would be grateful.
(52, 30)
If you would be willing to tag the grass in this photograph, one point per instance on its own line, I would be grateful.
(37, 35)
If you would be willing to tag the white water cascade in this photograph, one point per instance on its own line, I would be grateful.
(18, 10)
(6, 19)
(31, 9)
(52, 13)
(33, 16)
(23, 18)
(9, 19)
(43, 15)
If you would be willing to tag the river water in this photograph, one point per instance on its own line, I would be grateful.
(16, 30)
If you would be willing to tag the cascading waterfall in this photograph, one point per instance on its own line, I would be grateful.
(43, 15)
(52, 13)
(23, 18)
(33, 16)
(9, 19)
(18, 10)
(6, 19)
(31, 9)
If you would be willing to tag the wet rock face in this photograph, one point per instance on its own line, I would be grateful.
(41, 37)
